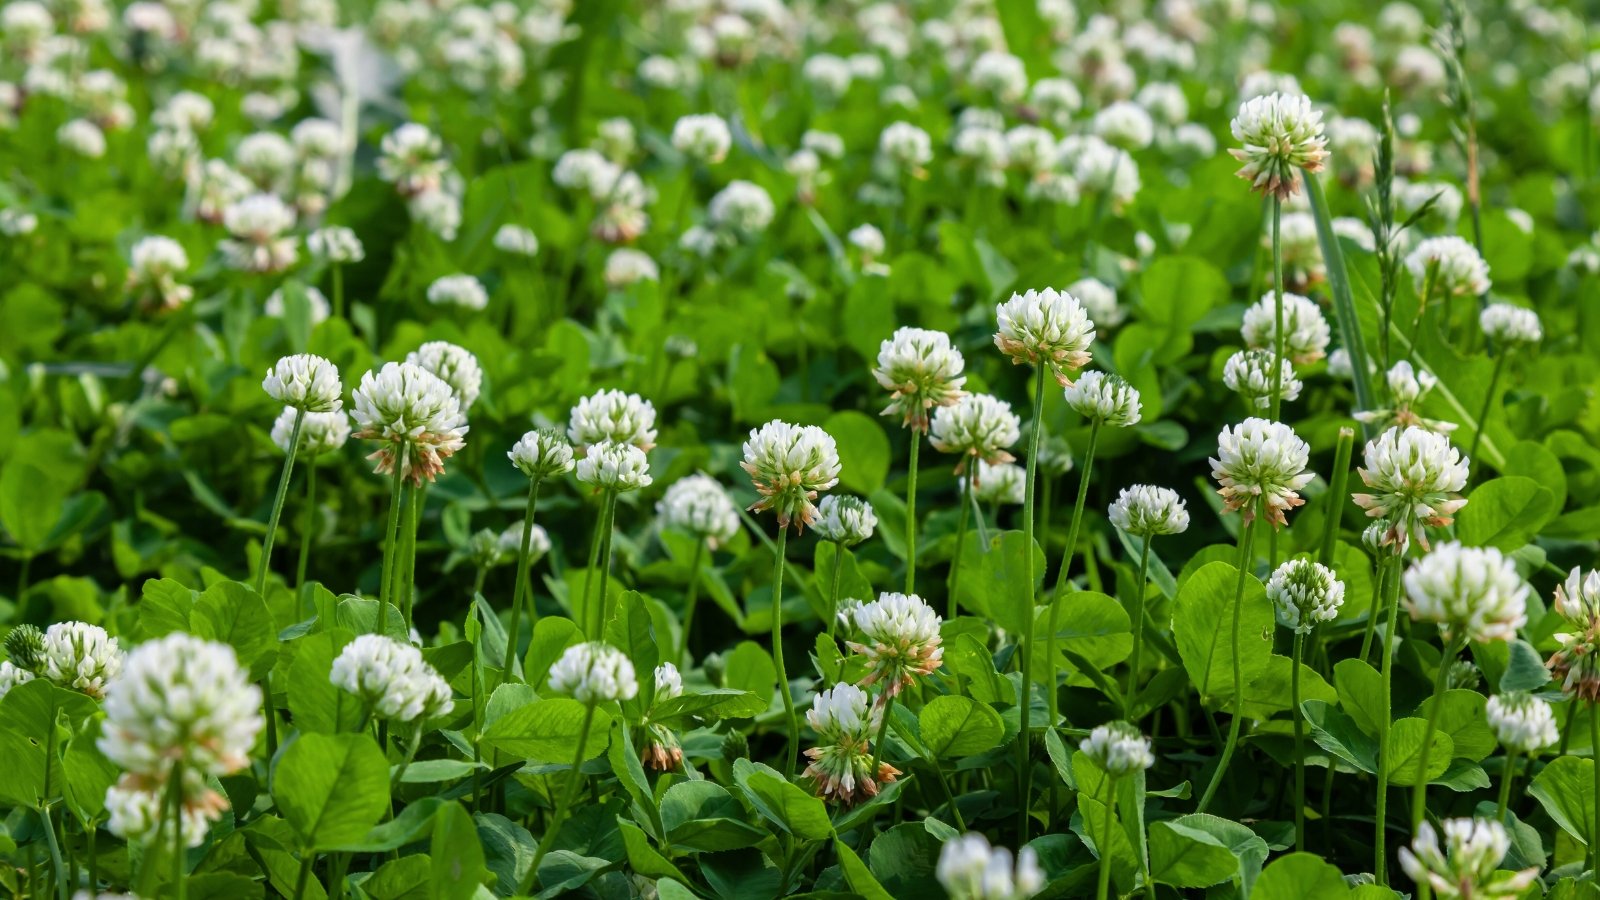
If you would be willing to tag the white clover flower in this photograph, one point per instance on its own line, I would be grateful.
(11, 676)
(82, 137)
(1508, 324)
(1125, 124)
(905, 643)
(256, 242)
(185, 111)
(789, 465)
(304, 381)
(1410, 196)
(1249, 374)
(1355, 230)
(825, 144)
(1577, 663)
(845, 520)
(335, 244)
(1261, 467)
(1055, 99)
(17, 222)
(612, 415)
(627, 266)
(1577, 599)
(999, 74)
(317, 307)
(463, 291)
(906, 147)
(1407, 389)
(1147, 510)
(742, 207)
(438, 210)
(616, 138)
(1101, 168)
(454, 365)
(415, 415)
(184, 700)
(1005, 483)
(1454, 264)
(509, 541)
(221, 188)
(969, 869)
(80, 656)
(1099, 300)
(1469, 592)
(585, 171)
(698, 505)
(703, 138)
(827, 75)
(661, 72)
(868, 239)
(1306, 332)
(317, 139)
(841, 763)
(1522, 722)
(1048, 328)
(1416, 478)
(669, 682)
(1104, 399)
(1280, 133)
(139, 811)
(412, 159)
(155, 264)
(1466, 866)
(392, 679)
(922, 370)
(1305, 593)
(1029, 148)
(517, 240)
(1163, 100)
(614, 466)
(542, 453)
(977, 426)
(1118, 748)
(265, 158)
(595, 672)
(320, 432)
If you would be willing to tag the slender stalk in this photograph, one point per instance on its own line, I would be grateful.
(303, 880)
(949, 798)
(883, 735)
(1507, 776)
(1025, 640)
(1488, 401)
(1104, 885)
(389, 547)
(92, 832)
(1381, 801)
(57, 865)
(1344, 309)
(1379, 582)
(777, 653)
(1428, 284)
(1336, 493)
(1051, 701)
(1138, 619)
(1245, 539)
(692, 595)
(307, 526)
(963, 488)
(574, 780)
(337, 275)
(1419, 793)
(277, 504)
(175, 807)
(1299, 745)
(602, 603)
(1594, 753)
(588, 574)
(911, 513)
(417, 499)
(514, 630)
(1277, 307)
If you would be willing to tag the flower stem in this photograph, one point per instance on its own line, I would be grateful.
(303, 880)
(59, 868)
(514, 630)
(1104, 885)
(883, 735)
(777, 653)
(1277, 307)
(1245, 539)
(307, 526)
(1299, 745)
(1138, 619)
(1051, 701)
(911, 513)
(1488, 401)
(574, 780)
(1419, 793)
(175, 803)
(602, 603)
(389, 563)
(277, 504)
(1025, 640)
(964, 487)
(692, 595)
(1594, 753)
(406, 580)
(1507, 776)
(1336, 494)
(1381, 801)
(1344, 310)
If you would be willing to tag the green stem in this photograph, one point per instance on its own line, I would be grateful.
(1299, 745)
(1138, 619)
(92, 832)
(303, 880)
(1488, 401)
(277, 504)
(175, 806)
(1025, 640)
(603, 602)
(777, 654)
(1419, 793)
(964, 487)
(59, 867)
(1104, 885)
(1277, 307)
(1052, 702)
(692, 595)
(833, 591)
(911, 513)
(1381, 801)
(514, 631)
(389, 563)
(1245, 539)
(1507, 776)
(574, 780)
(586, 611)
(1594, 754)
(307, 526)
(1336, 493)
(949, 798)
(416, 501)
(883, 736)
(1379, 580)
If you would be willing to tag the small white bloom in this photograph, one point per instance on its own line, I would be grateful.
(80, 656)
(698, 505)
(1146, 510)
(517, 240)
(789, 466)
(317, 307)
(265, 158)
(1522, 722)
(977, 426)
(304, 381)
(463, 291)
(1416, 478)
(1453, 263)
(742, 207)
(627, 266)
(1469, 592)
(669, 682)
(438, 210)
(922, 370)
(542, 453)
(454, 365)
(256, 225)
(1280, 133)
(612, 415)
(595, 672)
(1104, 399)
(1099, 301)
(703, 138)
(905, 643)
(1508, 324)
(1249, 374)
(906, 147)
(1045, 327)
(868, 239)
(1125, 124)
(82, 137)
(1005, 483)
(1305, 593)
(320, 432)
(612, 466)
(509, 541)
(11, 676)
(1467, 865)
(1118, 748)
(845, 520)
(841, 763)
(414, 414)
(1306, 332)
(391, 678)
(969, 869)
(412, 159)
(1261, 467)
(155, 265)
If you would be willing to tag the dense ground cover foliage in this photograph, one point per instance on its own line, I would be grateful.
(727, 448)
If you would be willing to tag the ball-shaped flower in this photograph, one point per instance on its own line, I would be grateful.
(1280, 133)
(613, 415)
(138, 811)
(978, 426)
(392, 679)
(1260, 468)
(1103, 399)
(1508, 324)
(80, 656)
(698, 505)
(906, 148)
(335, 245)
(903, 635)
(1118, 748)
(1415, 477)
(790, 465)
(1452, 263)
(595, 672)
(1471, 593)
(1146, 510)
(517, 240)
(256, 243)
(610, 466)
(1046, 328)
(542, 453)
(305, 382)
(845, 520)
(1467, 865)
(921, 369)
(455, 366)
(415, 416)
(1248, 373)
(703, 138)
(1304, 594)
(742, 207)
(462, 291)
(1305, 330)
(1522, 722)
(970, 869)
(1004, 483)
(841, 762)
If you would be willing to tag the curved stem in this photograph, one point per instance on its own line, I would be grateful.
(1277, 308)
(1051, 701)
(393, 529)
(692, 595)
(1237, 719)
(585, 611)
(574, 780)
(1488, 402)
(1025, 640)
(883, 735)
(1507, 776)
(277, 504)
(1138, 619)
(833, 592)
(911, 513)
(1380, 862)
(514, 629)
(303, 879)
(308, 526)
(58, 867)
(1299, 745)
(417, 498)
(963, 487)
(777, 654)
(949, 798)
(1419, 793)
(1103, 886)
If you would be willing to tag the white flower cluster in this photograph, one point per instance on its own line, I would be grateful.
(336, 245)
(789, 466)
(453, 365)
(1099, 300)
(1047, 328)
(1003, 483)
(542, 453)
(1147, 510)
(509, 541)
(906, 148)
(517, 240)
(392, 679)
(1261, 467)
(595, 672)
(921, 369)
(1471, 593)
(155, 263)
(1280, 133)
(1522, 722)
(703, 138)
(412, 159)
(1416, 478)
(1248, 373)
(613, 466)
(463, 291)
(1508, 324)
(970, 869)
(256, 243)
(1103, 399)
(905, 643)
(841, 764)
(1408, 387)
(612, 415)
(1305, 594)
(305, 382)
(1118, 748)
(414, 414)
(1453, 264)
(977, 426)
(80, 656)
(1305, 330)
(845, 520)
(1468, 863)
(698, 505)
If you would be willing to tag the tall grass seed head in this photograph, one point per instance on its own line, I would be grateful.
(592, 673)
(305, 382)
(1260, 468)
(921, 369)
(789, 466)
(1045, 328)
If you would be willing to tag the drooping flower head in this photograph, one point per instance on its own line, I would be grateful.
(1305, 330)
(698, 505)
(1146, 510)
(611, 466)
(1468, 863)
(1248, 373)
(1469, 592)
(613, 415)
(969, 869)
(1577, 663)
(542, 453)
(921, 370)
(790, 465)
(415, 416)
(1103, 399)
(905, 643)
(845, 520)
(455, 366)
(1004, 483)
(1522, 722)
(662, 750)
(1280, 133)
(595, 672)
(1118, 749)
(841, 763)
(1045, 328)
(1415, 477)
(1305, 594)
(80, 656)
(305, 382)
(1261, 467)
(392, 679)
(978, 426)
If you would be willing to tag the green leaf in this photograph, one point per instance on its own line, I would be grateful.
(1177, 291)
(1090, 626)
(1300, 876)
(1004, 570)
(1344, 309)
(1188, 857)
(1245, 844)
(1526, 670)
(863, 447)
(630, 774)
(552, 635)
(957, 726)
(1202, 624)
(643, 858)
(88, 774)
(1463, 717)
(1337, 733)
(331, 788)
(30, 504)
(701, 815)
(967, 658)
(164, 607)
(457, 855)
(405, 878)
(407, 828)
(1405, 752)
(750, 668)
(787, 806)
(315, 702)
(1361, 693)
(548, 731)
(629, 630)
(715, 703)
(857, 875)
(902, 859)
(34, 717)
(1565, 788)
(1505, 513)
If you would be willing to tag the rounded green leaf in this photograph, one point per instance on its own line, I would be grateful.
(955, 726)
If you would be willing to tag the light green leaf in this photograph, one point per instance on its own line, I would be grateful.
(549, 731)
(956, 726)
(331, 788)
(1202, 623)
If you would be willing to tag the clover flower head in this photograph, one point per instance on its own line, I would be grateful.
(742, 207)
(305, 382)
(1280, 133)
(1004, 483)
(463, 291)
(1455, 264)
(392, 679)
(1261, 467)
(264, 157)
(1046, 328)
(11, 676)
(1249, 374)
(921, 369)
(970, 869)
(1469, 592)
(845, 520)
(411, 158)
(1099, 300)
(790, 465)
(335, 244)
(1055, 454)
(1103, 399)
(1118, 748)
(155, 264)
(1125, 124)
(1508, 324)
(1522, 722)
(595, 672)
(999, 73)
(256, 241)
(517, 240)
(669, 682)
(1416, 478)
(1147, 510)
(139, 812)
(627, 265)
(542, 453)
(906, 147)
(698, 505)
(1466, 866)
(319, 432)
(414, 415)
(184, 700)
(1305, 594)
(841, 763)
(977, 426)
(455, 366)
(80, 656)
(904, 634)
(612, 415)
(510, 541)
(1408, 387)
(611, 466)
(1577, 599)
(1305, 330)
(704, 138)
